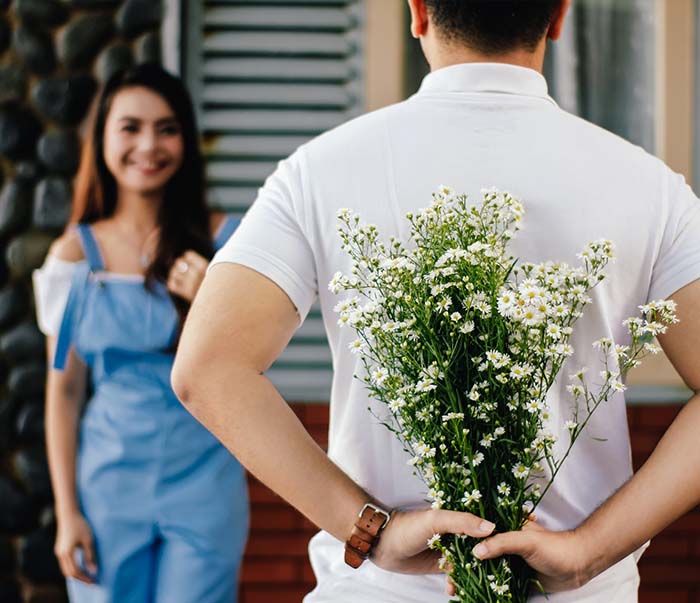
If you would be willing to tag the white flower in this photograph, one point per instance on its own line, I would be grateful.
(499, 431)
(503, 489)
(397, 404)
(425, 385)
(470, 497)
(379, 375)
(477, 459)
(433, 540)
(571, 425)
(520, 471)
(467, 327)
(357, 347)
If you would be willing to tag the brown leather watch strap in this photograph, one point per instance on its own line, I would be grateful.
(365, 534)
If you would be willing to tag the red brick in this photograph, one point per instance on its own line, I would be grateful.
(679, 573)
(664, 596)
(259, 594)
(689, 523)
(261, 494)
(279, 570)
(644, 441)
(287, 545)
(274, 518)
(669, 545)
(659, 417)
(307, 575)
(317, 414)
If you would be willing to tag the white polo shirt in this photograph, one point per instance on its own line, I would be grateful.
(472, 126)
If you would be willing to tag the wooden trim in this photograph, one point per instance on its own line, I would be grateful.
(384, 58)
(675, 84)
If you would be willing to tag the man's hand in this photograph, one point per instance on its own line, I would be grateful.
(558, 557)
(403, 544)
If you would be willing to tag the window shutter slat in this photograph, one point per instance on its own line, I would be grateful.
(267, 75)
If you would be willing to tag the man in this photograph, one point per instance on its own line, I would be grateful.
(482, 118)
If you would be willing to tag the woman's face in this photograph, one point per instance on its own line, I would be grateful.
(142, 141)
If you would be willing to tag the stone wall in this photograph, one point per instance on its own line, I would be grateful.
(53, 56)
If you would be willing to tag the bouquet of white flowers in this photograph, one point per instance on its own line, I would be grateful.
(462, 343)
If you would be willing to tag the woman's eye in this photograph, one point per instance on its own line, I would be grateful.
(129, 128)
(170, 130)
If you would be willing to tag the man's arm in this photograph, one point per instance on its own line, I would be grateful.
(239, 323)
(666, 487)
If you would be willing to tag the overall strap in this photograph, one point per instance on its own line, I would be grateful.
(225, 231)
(65, 333)
(90, 247)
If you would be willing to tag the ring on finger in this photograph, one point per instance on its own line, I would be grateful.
(182, 266)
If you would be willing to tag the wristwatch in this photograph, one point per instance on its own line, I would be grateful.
(365, 534)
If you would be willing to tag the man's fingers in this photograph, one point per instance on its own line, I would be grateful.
(512, 543)
(455, 522)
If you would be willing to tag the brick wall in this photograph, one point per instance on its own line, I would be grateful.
(276, 569)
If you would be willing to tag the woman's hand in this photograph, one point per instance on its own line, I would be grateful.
(187, 274)
(74, 533)
(403, 545)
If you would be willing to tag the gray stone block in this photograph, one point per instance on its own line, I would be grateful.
(10, 591)
(33, 472)
(65, 99)
(138, 16)
(114, 59)
(8, 562)
(5, 34)
(59, 150)
(80, 42)
(52, 203)
(17, 512)
(49, 12)
(37, 561)
(23, 342)
(27, 380)
(15, 206)
(26, 253)
(28, 171)
(13, 83)
(29, 424)
(19, 131)
(94, 4)
(148, 48)
(13, 304)
(35, 47)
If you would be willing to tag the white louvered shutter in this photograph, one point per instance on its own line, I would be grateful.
(266, 76)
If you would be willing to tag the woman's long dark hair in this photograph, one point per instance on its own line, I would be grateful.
(184, 217)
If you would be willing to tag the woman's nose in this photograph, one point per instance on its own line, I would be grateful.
(147, 140)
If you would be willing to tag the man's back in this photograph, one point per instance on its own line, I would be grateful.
(473, 126)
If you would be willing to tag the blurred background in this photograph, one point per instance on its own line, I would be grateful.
(267, 75)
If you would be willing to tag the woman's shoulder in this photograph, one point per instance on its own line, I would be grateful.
(68, 247)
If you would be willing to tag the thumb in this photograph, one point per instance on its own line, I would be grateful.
(457, 522)
(89, 554)
(508, 543)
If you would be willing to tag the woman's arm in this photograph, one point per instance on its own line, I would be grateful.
(65, 394)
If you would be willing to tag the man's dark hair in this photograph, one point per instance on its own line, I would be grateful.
(493, 26)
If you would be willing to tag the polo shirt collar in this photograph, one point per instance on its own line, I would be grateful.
(487, 77)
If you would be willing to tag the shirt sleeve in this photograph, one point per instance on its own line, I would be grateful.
(52, 283)
(678, 261)
(271, 238)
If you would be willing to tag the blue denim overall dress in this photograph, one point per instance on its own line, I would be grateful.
(167, 503)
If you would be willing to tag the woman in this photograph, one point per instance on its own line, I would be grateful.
(154, 509)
